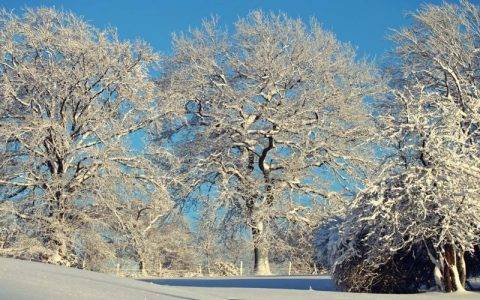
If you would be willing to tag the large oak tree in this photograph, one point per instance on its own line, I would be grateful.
(71, 96)
(271, 115)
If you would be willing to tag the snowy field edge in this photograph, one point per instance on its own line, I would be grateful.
(32, 280)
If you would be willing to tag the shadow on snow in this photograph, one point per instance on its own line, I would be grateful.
(320, 283)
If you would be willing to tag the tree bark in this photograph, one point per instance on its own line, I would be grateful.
(453, 270)
(261, 265)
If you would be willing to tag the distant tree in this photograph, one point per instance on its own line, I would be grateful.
(135, 226)
(294, 241)
(208, 240)
(219, 249)
(270, 117)
(70, 98)
(325, 241)
(422, 214)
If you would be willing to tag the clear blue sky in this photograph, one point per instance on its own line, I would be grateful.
(364, 23)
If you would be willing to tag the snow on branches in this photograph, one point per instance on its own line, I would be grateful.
(70, 97)
(424, 206)
(274, 114)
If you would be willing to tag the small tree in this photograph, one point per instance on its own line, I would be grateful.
(135, 224)
(423, 214)
(408, 231)
(70, 97)
(294, 240)
(273, 115)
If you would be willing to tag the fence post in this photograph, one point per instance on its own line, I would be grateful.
(289, 268)
(241, 268)
(118, 269)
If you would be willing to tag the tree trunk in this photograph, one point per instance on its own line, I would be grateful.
(453, 270)
(476, 257)
(462, 268)
(142, 268)
(261, 264)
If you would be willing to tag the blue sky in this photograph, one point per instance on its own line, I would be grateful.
(364, 23)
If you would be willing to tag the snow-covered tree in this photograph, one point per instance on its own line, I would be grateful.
(421, 218)
(273, 115)
(422, 214)
(217, 247)
(70, 98)
(135, 225)
(326, 241)
(294, 241)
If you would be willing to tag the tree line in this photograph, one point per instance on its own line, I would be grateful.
(274, 139)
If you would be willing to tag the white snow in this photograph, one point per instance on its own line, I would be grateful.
(30, 280)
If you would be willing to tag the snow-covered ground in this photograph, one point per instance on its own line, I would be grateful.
(29, 280)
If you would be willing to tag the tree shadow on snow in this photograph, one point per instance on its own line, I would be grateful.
(321, 283)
